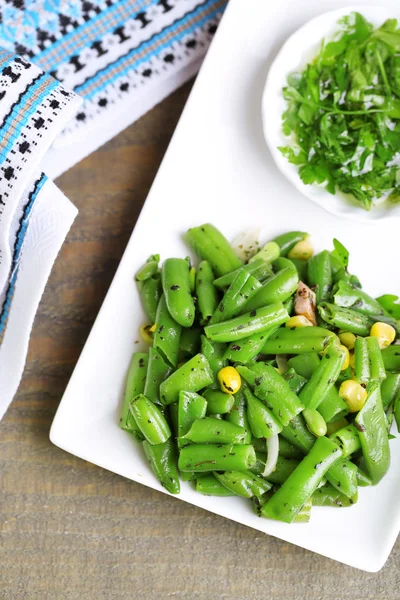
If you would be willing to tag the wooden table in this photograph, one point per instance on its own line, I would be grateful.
(69, 530)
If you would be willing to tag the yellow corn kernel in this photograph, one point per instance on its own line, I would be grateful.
(385, 333)
(302, 250)
(145, 334)
(353, 394)
(229, 380)
(298, 321)
(348, 339)
(346, 360)
(153, 328)
(351, 359)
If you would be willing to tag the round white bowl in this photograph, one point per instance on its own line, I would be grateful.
(297, 51)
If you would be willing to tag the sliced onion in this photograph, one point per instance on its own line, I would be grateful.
(281, 361)
(272, 455)
(246, 244)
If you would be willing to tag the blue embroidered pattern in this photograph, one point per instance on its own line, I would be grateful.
(103, 49)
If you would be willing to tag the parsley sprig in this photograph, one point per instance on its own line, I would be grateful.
(343, 113)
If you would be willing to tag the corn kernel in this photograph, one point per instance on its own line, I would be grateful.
(353, 394)
(298, 321)
(346, 360)
(145, 334)
(348, 339)
(385, 333)
(302, 250)
(351, 360)
(153, 328)
(230, 380)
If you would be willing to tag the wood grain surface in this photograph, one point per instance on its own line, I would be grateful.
(71, 531)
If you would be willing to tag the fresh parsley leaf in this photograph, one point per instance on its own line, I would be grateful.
(390, 303)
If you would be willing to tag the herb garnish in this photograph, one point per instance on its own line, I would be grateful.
(343, 111)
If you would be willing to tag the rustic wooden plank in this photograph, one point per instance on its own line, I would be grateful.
(69, 530)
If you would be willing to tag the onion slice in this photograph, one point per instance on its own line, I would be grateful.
(246, 244)
(272, 455)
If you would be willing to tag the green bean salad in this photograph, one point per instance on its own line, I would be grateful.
(270, 374)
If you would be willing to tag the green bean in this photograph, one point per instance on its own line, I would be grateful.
(304, 364)
(150, 293)
(304, 514)
(296, 341)
(362, 372)
(284, 468)
(286, 503)
(320, 275)
(301, 268)
(277, 288)
(149, 269)
(345, 318)
(315, 422)
(272, 389)
(323, 378)
(173, 412)
(287, 241)
(347, 439)
(260, 269)
(210, 457)
(377, 367)
(193, 376)
(269, 253)
(349, 296)
(289, 305)
(207, 295)
(282, 263)
(371, 426)
(237, 296)
(190, 476)
(248, 348)
(214, 353)
(210, 486)
(329, 496)
(189, 344)
(343, 476)
(238, 414)
(247, 324)
(390, 389)
(211, 245)
(157, 371)
(167, 334)
(176, 286)
(262, 421)
(162, 460)
(218, 402)
(295, 381)
(391, 358)
(134, 386)
(191, 406)
(396, 412)
(215, 431)
(288, 450)
(150, 420)
(363, 479)
(332, 407)
(243, 483)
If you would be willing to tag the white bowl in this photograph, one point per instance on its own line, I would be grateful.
(297, 51)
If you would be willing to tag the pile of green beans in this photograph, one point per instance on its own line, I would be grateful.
(229, 375)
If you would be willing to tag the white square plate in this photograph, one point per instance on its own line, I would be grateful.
(218, 169)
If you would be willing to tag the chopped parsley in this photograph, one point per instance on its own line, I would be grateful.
(343, 113)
